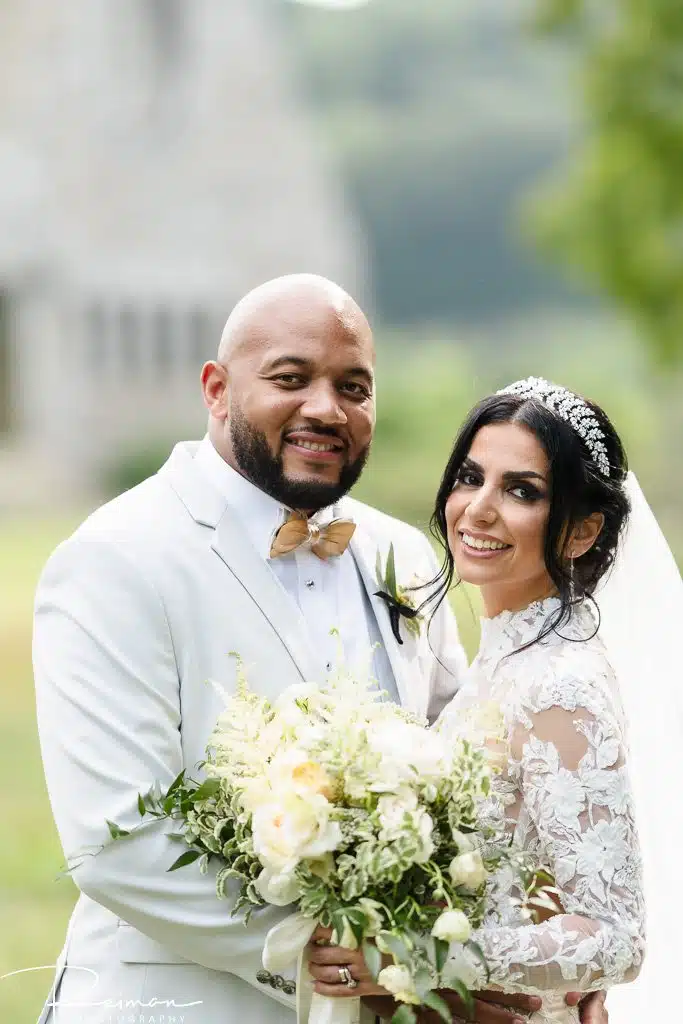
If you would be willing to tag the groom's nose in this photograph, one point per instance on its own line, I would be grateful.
(322, 403)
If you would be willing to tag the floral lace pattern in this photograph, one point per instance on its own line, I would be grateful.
(566, 799)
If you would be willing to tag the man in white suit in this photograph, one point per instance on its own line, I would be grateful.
(144, 604)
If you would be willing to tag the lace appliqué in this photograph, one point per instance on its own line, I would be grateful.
(567, 801)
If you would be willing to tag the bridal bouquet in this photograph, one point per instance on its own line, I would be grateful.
(348, 809)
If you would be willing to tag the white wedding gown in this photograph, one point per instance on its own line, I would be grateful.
(567, 800)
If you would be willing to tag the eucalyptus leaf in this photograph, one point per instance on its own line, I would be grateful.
(176, 784)
(439, 1005)
(373, 958)
(142, 810)
(440, 954)
(464, 993)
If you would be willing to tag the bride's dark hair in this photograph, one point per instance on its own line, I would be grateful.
(577, 489)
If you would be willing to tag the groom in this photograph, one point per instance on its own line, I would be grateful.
(144, 604)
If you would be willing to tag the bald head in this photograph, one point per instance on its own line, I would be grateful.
(300, 303)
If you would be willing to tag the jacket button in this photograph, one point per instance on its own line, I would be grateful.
(264, 977)
(289, 988)
(277, 981)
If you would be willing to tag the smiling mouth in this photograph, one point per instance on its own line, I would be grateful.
(321, 448)
(482, 545)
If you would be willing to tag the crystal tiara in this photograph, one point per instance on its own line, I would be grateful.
(569, 407)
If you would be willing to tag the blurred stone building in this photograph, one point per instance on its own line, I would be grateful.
(155, 163)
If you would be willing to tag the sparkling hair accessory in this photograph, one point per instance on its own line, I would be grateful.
(569, 407)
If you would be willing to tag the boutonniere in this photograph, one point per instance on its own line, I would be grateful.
(400, 603)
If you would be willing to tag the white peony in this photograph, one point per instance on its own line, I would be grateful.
(409, 754)
(399, 981)
(291, 828)
(392, 809)
(468, 869)
(292, 769)
(452, 926)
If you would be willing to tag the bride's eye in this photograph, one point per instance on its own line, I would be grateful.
(524, 492)
(467, 478)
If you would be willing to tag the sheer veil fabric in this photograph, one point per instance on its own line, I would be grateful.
(641, 608)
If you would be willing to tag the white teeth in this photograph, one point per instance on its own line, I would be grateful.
(482, 545)
(312, 447)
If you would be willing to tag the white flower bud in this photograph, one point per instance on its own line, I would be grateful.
(467, 869)
(452, 926)
(398, 980)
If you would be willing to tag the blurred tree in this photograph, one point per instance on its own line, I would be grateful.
(616, 216)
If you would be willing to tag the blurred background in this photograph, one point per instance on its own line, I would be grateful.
(500, 184)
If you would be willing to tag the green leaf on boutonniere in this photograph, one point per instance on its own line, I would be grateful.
(391, 573)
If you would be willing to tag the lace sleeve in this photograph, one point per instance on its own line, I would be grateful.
(568, 766)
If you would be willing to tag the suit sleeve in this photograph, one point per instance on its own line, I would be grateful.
(109, 716)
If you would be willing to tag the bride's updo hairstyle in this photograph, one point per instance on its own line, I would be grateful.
(587, 472)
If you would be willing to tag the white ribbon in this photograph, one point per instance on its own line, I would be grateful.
(287, 942)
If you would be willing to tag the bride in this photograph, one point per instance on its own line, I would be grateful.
(532, 509)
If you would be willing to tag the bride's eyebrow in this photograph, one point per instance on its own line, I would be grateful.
(523, 474)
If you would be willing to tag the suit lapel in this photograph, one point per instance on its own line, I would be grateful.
(231, 544)
(364, 548)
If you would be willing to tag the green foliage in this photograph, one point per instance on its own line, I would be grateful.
(616, 215)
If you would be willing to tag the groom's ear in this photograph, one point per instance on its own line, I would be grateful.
(585, 534)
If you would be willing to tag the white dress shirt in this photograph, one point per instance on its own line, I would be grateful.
(329, 593)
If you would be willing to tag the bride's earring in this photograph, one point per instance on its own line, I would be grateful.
(572, 579)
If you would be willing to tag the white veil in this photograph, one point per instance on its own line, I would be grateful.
(641, 607)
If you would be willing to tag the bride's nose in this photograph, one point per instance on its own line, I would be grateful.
(482, 509)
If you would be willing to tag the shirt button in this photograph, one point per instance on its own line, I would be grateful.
(329, 666)
(309, 583)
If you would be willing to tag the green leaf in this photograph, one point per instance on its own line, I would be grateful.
(396, 946)
(142, 810)
(435, 1002)
(207, 789)
(378, 570)
(115, 831)
(479, 953)
(441, 948)
(176, 784)
(404, 1015)
(189, 857)
(464, 994)
(373, 958)
(391, 572)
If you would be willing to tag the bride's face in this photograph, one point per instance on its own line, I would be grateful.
(497, 516)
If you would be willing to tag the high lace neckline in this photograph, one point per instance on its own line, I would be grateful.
(508, 631)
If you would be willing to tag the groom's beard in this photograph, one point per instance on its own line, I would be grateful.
(256, 461)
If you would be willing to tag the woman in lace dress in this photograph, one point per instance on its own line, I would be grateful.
(530, 509)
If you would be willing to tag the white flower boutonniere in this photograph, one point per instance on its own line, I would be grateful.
(400, 600)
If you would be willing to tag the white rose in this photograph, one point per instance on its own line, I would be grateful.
(291, 828)
(278, 889)
(409, 754)
(293, 769)
(392, 810)
(399, 981)
(468, 869)
(452, 926)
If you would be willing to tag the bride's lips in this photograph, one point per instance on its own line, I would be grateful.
(481, 552)
(325, 448)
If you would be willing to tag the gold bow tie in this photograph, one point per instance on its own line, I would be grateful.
(297, 530)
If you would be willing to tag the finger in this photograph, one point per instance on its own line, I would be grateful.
(344, 992)
(321, 935)
(516, 1001)
(328, 975)
(332, 955)
(573, 998)
(484, 1012)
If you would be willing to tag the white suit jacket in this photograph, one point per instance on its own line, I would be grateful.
(135, 613)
